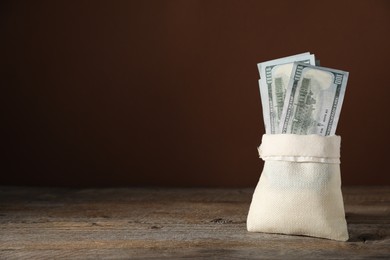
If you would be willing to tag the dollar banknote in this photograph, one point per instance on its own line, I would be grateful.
(281, 60)
(313, 100)
(274, 79)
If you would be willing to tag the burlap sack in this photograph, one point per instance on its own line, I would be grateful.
(299, 191)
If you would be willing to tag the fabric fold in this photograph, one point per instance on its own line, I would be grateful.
(300, 148)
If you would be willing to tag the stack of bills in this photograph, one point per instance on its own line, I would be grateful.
(299, 97)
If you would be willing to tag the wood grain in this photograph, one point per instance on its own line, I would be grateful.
(154, 223)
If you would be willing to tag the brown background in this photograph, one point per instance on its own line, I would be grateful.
(135, 93)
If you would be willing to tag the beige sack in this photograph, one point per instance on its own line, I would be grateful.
(299, 191)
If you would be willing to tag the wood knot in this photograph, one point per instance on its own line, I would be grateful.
(155, 227)
(369, 237)
(221, 221)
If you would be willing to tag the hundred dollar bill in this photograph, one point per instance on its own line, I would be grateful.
(313, 100)
(281, 60)
(275, 75)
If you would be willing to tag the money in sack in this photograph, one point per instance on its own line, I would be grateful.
(299, 191)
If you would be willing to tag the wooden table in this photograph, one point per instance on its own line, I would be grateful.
(137, 223)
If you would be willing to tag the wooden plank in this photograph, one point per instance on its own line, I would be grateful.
(173, 223)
